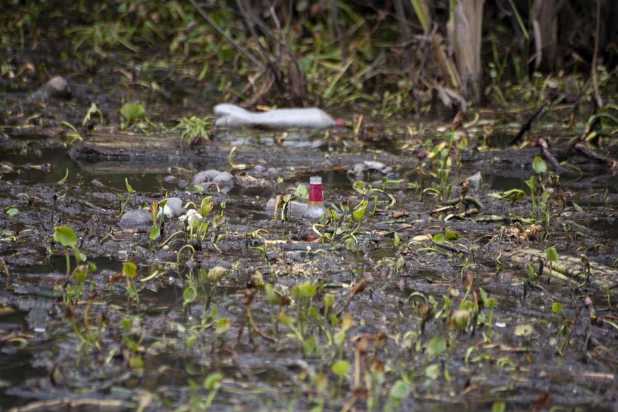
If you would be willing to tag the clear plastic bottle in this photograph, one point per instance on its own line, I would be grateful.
(316, 208)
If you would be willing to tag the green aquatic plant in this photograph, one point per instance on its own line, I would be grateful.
(124, 202)
(129, 271)
(194, 129)
(74, 134)
(132, 112)
(552, 256)
(67, 238)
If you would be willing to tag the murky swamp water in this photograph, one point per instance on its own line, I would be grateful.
(419, 334)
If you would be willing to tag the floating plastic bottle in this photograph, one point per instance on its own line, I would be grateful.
(315, 209)
(230, 115)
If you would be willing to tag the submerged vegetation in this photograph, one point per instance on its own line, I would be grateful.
(467, 256)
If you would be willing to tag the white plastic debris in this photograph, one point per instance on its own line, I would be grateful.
(230, 115)
(165, 211)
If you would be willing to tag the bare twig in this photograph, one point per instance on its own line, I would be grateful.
(595, 57)
(526, 127)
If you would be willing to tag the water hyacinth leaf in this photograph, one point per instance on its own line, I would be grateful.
(310, 345)
(65, 236)
(301, 192)
(286, 319)
(223, 325)
(451, 236)
(212, 381)
(512, 195)
(552, 254)
(498, 407)
(155, 233)
(339, 337)
(313, 312)
(304, 291)
(271, 295)
(132, 111)
(396, 240)
(433, 371)
(80, 273)
(216, 273)
(460, 318)
(436, 346)
(539, 165)
(129, 187)
(189, 295)
(136, 362)
(79, 256)
(329, 302)
(340, 368)
(347, 322)
(359, 211)
(360, 187)
(191, 340)
(129, 270)
(531, 183)
(400, 390)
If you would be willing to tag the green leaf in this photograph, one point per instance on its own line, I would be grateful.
(64, 179)
(396, 240)
(436, 346)
(310, 345)
(360, 187)
(80, 273)
(191, 340)
(65, 236)
(498, 407)
(189, 295)
(129, 270)
(552, 254)
(223, 325)
(341, 367)
(531, 183)
(400, 390)
(439, 238)
(129, 188)
(451, 236)
(12, 211)
(359, 211)
(132, 111)
(212, 380)
(155, 233)
(79, 256)
(512, 195)
(433, 371)
(329, 302)
(304, 291)
(216, 273)
(556, 307)
(539, 165)
(286, 319)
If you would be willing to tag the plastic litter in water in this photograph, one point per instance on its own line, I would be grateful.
(316, 208)
(230, 115)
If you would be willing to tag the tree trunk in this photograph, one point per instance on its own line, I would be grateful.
(545, 26)
(468, 27)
